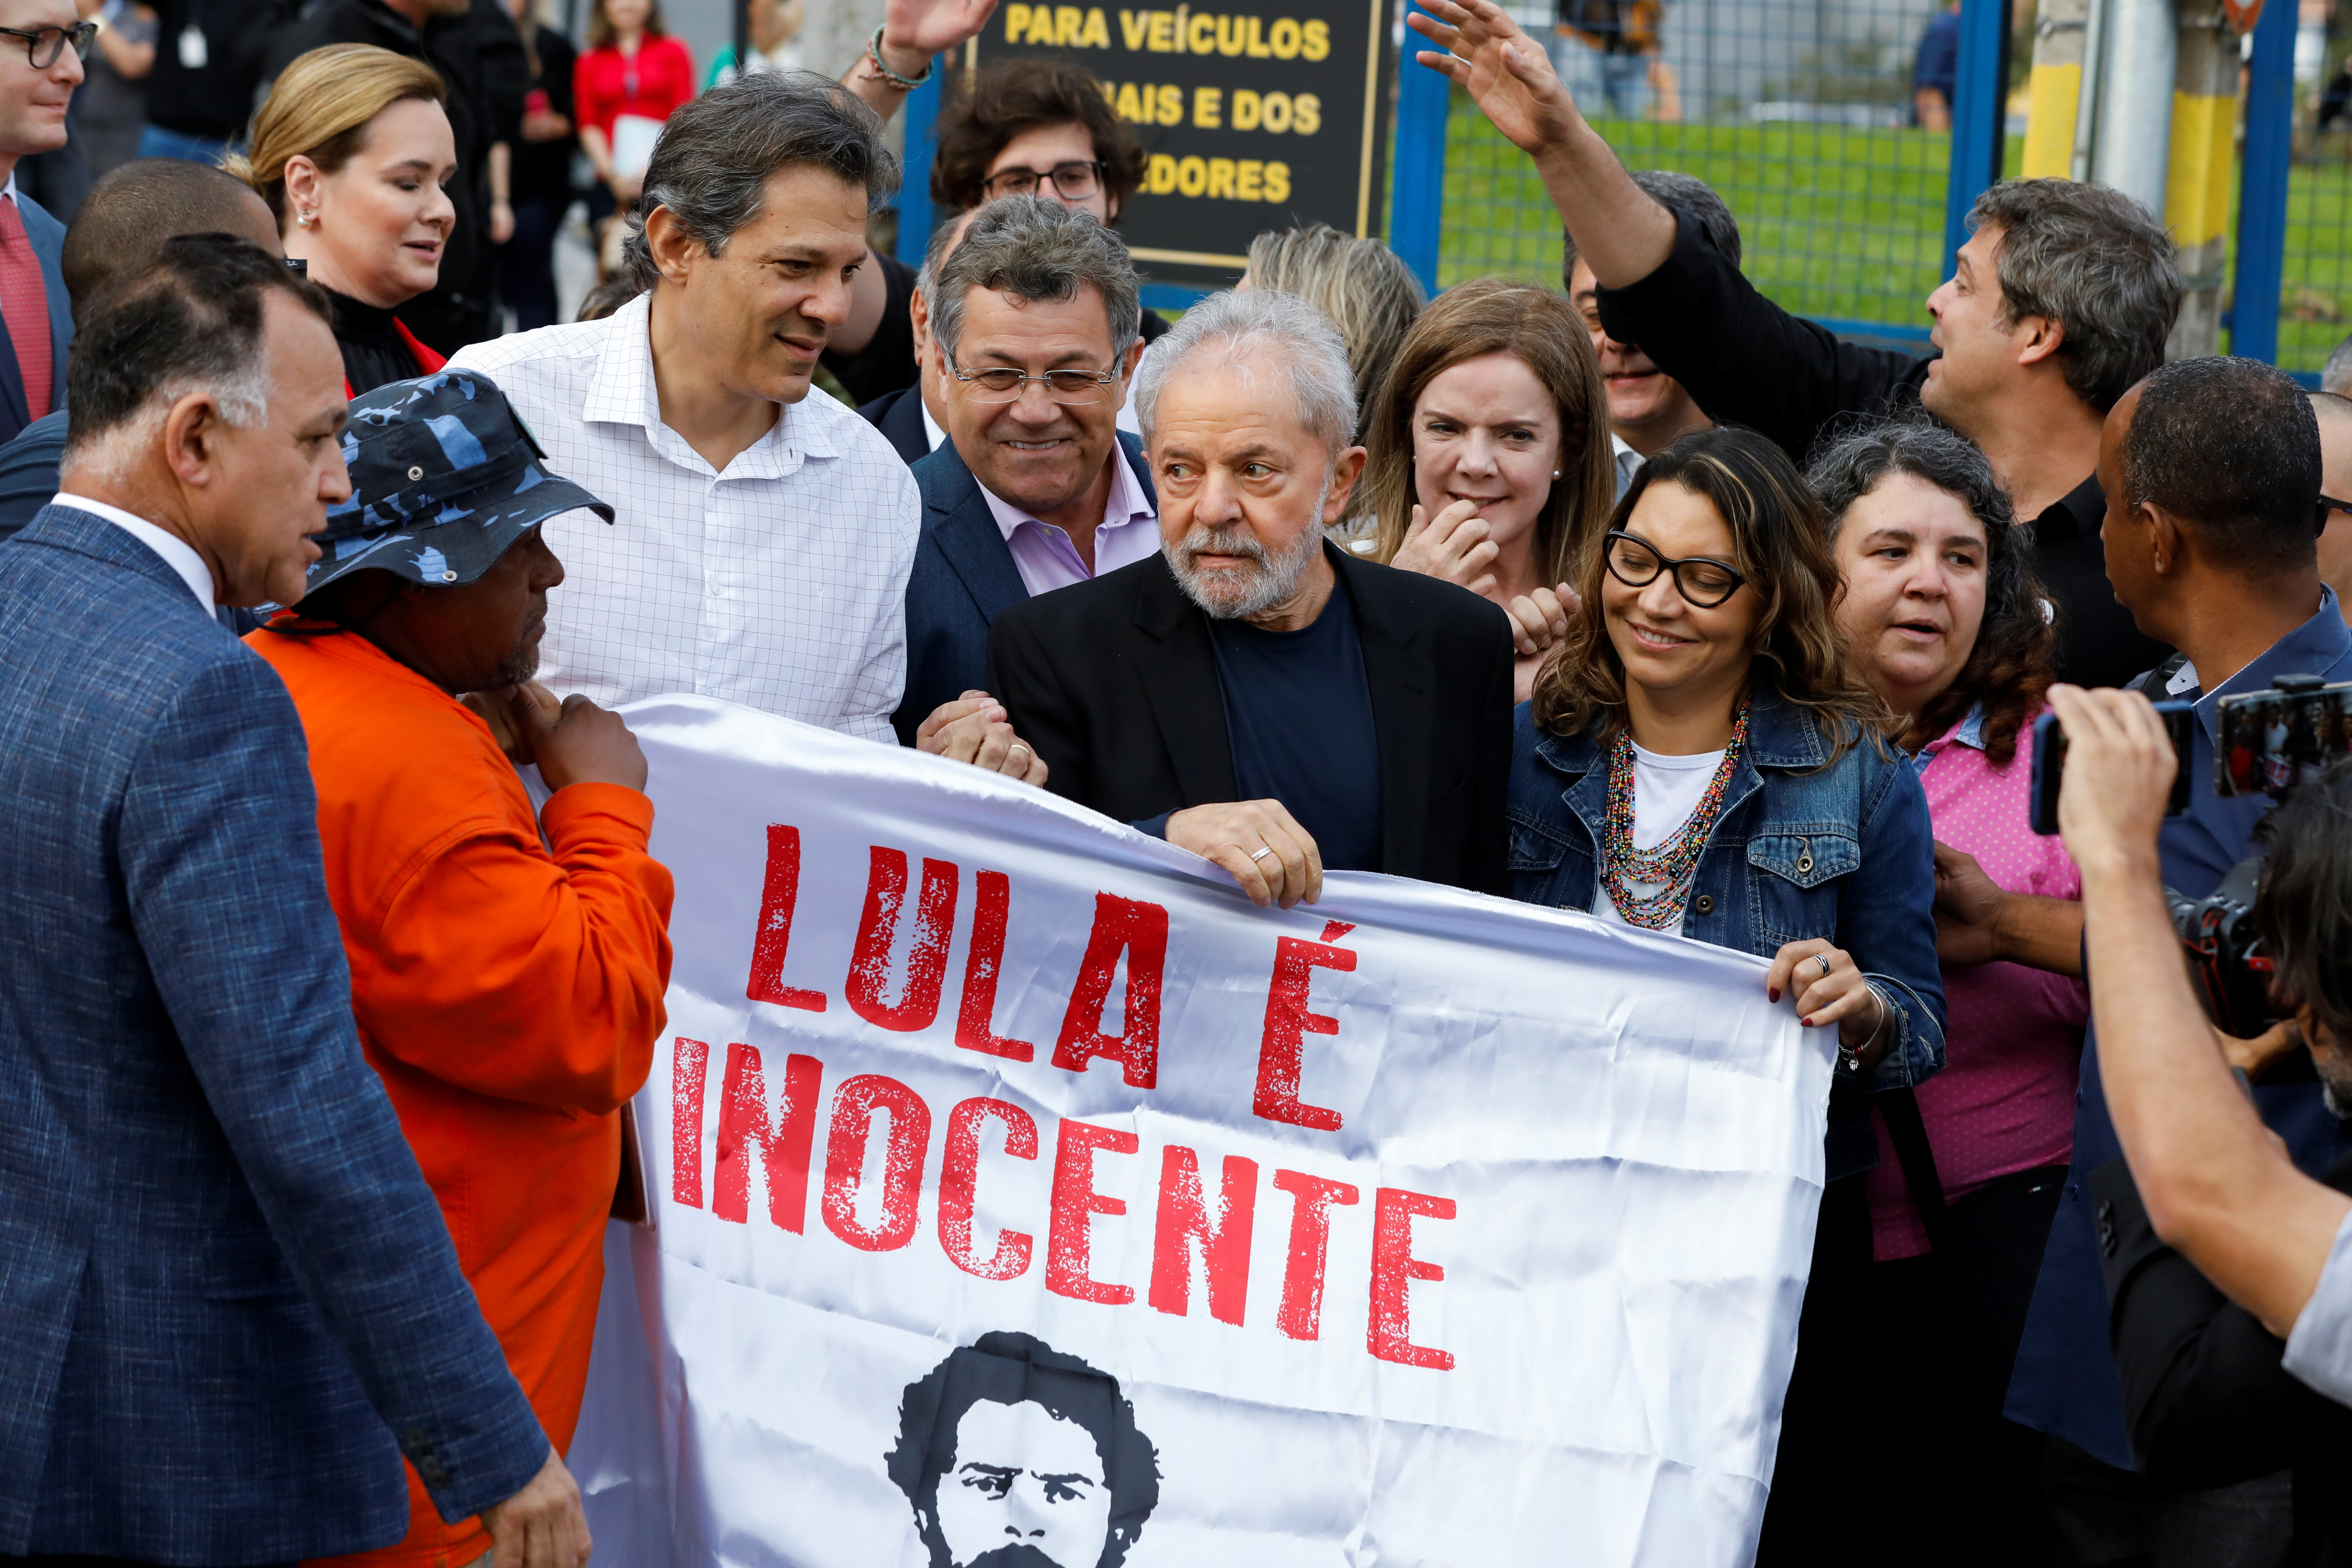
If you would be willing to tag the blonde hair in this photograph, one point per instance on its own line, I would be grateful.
(1542, 330)
(321, 106)
(1371, 295)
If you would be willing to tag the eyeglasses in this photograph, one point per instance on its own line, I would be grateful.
(1071, 182)
(1704, 582)
(43, 45)
(2329, 505)
(1001, 383)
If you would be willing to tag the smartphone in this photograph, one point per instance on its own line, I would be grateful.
(2050, 764)
(2273, 741)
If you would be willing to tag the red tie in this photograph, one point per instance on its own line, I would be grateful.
(25, 303)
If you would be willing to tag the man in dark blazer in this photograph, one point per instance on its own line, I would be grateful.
(33, 103)
(1254, 693)
(228, 1303)
(1036, 488)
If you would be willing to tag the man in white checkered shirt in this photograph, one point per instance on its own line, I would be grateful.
(764, 536)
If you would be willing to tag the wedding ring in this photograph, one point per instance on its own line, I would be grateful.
(1823, 960)
(1264, 850)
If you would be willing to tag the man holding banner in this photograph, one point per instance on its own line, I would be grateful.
(1253, 693)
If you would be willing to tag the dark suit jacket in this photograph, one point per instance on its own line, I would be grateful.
(48, 240)
(1115, 683)
(228, 1301)
(963, 576)
(899, 415)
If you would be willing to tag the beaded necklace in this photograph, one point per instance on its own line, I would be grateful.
(1675, 862)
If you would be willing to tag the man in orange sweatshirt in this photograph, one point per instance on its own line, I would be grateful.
(507, 966)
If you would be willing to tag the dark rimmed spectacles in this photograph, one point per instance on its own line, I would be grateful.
(43, 45)
(1705, 583)
(1003, 384)
(2328, 506)
(1071, 182)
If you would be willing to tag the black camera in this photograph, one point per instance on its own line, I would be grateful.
(2269, 741)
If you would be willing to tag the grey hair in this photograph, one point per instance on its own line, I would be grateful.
(717, 153)
(2096, 262)
(1678, 193)
(1366, 288)
(2336, 376)
(1249, 331)
(1034, 249)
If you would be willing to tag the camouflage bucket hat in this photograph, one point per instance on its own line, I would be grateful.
(445, 477)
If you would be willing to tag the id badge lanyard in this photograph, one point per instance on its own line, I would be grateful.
(194, 52)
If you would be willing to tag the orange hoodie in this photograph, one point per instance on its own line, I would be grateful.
(507, 993)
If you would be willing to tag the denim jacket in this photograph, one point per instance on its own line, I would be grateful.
(1779, 867)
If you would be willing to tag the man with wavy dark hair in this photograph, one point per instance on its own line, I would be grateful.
(2062, 298)
(1015, 1455)
(1025, 127)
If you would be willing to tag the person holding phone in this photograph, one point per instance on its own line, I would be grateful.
(1698, 760)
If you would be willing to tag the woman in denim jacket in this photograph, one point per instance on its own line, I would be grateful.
(1699, 759)
(1711, 629)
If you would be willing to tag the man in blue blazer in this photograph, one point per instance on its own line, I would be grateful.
(229, 1304)
(40, 66)
(1033, 326)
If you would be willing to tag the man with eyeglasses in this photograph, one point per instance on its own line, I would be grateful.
(1033, 326)
(1026, 127)
(42, 43)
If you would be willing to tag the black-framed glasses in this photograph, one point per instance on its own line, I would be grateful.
(43, 45)
(1003, 384)
(1072, 182)
(2329, 505)
(1702, 580)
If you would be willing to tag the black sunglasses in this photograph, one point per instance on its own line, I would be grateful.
(1636, 562)
(2330, 504)
(43, 45)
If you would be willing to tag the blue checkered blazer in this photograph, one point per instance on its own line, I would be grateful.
(224, 1288)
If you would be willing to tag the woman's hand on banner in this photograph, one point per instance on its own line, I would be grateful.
(1508, 74)
(1829, 989)
(975, 729)
(1259, 843)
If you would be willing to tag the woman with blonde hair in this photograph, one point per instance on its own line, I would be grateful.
(1490, 462)
(351, 151)
(1365, 287)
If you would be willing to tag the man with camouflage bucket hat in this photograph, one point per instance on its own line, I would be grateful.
(508, 987)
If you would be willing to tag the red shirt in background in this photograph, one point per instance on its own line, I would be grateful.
(653, 82)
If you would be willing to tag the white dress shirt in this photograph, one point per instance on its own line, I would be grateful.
(177, 552)
(1128, 533)
(1627, 460)
(779, 584)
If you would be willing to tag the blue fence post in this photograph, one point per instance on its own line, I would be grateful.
(1980, 115)
(1416, 195)
(915, 196)
(2261, 184)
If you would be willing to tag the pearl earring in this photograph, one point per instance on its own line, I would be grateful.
(305, 219)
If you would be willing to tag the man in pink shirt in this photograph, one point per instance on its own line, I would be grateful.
(1034, 329)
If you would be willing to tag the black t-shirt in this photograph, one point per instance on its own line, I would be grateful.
(1298, 716)
(2099, 643)
(887, 362)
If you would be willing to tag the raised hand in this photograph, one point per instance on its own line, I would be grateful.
(1508, 74)
(915, 30)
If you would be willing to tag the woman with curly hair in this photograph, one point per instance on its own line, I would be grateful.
(1698, 758)
(1944, 619)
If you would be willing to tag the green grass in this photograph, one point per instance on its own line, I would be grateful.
(1840, 222)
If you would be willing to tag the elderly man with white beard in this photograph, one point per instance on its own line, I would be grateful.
(1253, 693)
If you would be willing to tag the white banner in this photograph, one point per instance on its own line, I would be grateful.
(1023, 1197)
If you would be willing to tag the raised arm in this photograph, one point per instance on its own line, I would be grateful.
(913, 31)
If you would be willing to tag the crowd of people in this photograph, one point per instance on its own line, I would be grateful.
(1640, 597)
